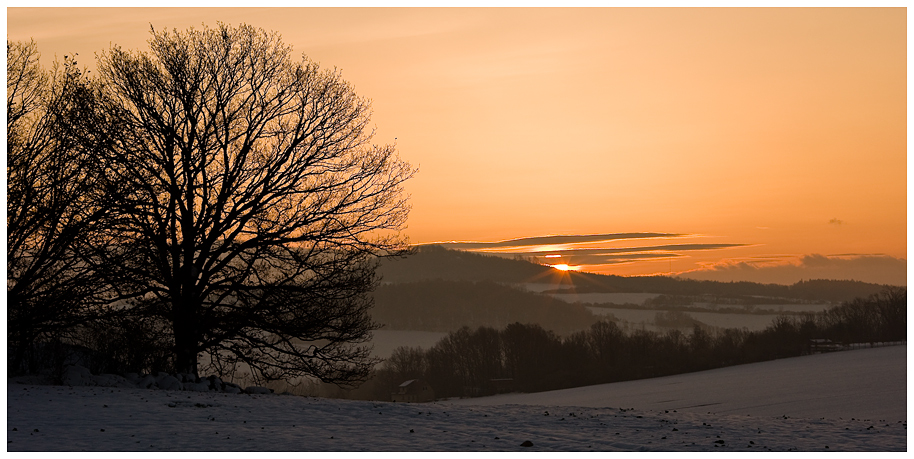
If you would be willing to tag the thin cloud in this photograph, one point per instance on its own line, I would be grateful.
(552, 240)
(618, 250)
(551, 250)
(588, 260)
(545, 250)
(836, 222)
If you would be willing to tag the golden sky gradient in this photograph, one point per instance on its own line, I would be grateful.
(780, 133)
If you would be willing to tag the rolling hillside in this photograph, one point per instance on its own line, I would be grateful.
(443, 306)
(438, 263)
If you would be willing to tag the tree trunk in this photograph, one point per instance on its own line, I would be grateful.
(186, 339)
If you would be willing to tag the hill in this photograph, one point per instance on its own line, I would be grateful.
(443, 306)
(432, 262)
(438, 263)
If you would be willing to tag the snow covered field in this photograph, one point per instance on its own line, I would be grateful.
(616, 298)
(864, 383)
(846, 401)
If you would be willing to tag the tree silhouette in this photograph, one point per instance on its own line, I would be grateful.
(251, 201)
(54, 199)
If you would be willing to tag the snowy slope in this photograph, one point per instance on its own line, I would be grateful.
(55, 418)
(868, 383)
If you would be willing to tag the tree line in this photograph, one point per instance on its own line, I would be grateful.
(211, 201)
(528, 358)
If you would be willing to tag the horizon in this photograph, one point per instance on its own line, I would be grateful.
(542, 260)
(739, 144)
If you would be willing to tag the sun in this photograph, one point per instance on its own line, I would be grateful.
(565, 267)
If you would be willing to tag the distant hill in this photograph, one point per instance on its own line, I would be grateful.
(438, 263)
(432, 262)
(833, 291)
(444, 306)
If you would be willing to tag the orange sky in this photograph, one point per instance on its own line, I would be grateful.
(783, 130)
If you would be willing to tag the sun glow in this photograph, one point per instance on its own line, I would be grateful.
(564, 267)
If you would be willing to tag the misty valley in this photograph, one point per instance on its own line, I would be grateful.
(468, 325)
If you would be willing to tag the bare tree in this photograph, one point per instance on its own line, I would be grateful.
(253, 202)
(53, 196)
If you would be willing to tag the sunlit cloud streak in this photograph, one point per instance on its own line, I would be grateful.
(587, 260)
(609, 255)
(616, 250)
(552, 240)
(579, 252)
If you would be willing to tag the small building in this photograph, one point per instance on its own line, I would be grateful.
(413, 391)
(817, 346)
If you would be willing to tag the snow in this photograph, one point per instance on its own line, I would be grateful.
(867, 383)
(845, 401)
(539, 287)
(615, 298)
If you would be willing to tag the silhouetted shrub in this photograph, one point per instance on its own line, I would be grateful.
(127, 344)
